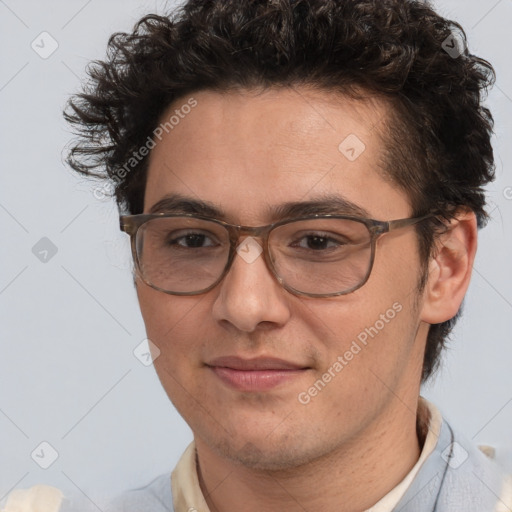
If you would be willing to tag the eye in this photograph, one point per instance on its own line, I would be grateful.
(191, 240)
(318, 242)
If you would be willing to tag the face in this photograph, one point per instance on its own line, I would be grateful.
(262, 376)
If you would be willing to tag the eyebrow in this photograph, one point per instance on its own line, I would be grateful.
(322, 205)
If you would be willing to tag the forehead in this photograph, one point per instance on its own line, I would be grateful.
(247, 150)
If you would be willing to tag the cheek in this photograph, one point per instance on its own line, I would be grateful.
(397, 268)
(361, 330)
(164, 314)
(368, 353)
(172, 325)
(374, 329)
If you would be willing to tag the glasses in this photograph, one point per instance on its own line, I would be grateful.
(315, 256)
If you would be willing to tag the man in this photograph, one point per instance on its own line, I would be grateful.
(302, 184)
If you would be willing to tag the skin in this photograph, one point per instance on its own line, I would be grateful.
(356, 439)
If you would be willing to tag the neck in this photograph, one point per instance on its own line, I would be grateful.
(352, 477)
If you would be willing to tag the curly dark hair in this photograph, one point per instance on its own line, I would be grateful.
(437, 139)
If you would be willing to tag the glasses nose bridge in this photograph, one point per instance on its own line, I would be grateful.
(262, 232)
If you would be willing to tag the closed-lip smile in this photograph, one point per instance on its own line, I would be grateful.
(255, 374)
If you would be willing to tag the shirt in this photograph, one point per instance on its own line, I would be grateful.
(182, 488)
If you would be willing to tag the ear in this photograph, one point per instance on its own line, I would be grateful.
(450, 269)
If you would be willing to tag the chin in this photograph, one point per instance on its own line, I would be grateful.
(284, 453)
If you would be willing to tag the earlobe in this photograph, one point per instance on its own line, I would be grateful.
(450, 269)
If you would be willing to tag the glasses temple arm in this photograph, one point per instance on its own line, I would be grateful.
(402, 223)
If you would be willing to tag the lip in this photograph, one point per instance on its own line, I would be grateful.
(258, 374)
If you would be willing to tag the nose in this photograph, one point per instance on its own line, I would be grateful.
(250, 297)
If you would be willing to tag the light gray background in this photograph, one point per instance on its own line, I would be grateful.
(68, 375)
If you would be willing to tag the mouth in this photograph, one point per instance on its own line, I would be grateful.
(255, 375)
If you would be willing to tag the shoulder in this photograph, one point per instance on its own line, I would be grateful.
(473, 477)
(155, 496)
(44, 498)
(455, 475)
(40, 498)
(470, 481)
